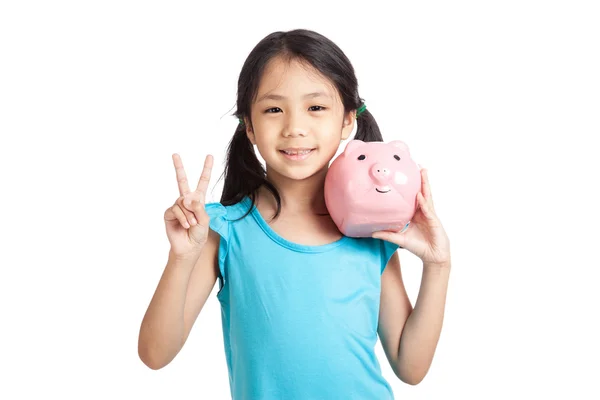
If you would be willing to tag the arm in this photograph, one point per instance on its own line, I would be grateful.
(181, 293)
(410, 336)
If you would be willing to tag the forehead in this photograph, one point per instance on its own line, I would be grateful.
(293, 79)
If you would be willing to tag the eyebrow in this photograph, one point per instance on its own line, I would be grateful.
(279, 97)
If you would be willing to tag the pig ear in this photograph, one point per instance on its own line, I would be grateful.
(353, 145)
(400, 144)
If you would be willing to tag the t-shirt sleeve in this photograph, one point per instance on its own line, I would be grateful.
(387, 250)
(221, 225)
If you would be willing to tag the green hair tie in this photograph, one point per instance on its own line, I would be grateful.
(241, 121)
(361, 109)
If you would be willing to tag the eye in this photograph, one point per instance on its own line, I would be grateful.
(320, 108)
(362, 157)
(396, 157)
(269, 110)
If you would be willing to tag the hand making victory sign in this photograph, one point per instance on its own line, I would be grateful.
(187, 221)
(425, 236)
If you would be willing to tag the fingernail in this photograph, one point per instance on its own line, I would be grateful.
(193, 221)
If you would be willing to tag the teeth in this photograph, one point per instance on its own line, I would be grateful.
(295, 153)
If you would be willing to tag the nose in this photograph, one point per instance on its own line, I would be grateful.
(380, 173)
(294, 127)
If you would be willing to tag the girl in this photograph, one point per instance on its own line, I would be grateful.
(301, 304)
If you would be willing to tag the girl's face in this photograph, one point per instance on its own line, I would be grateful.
(298, 119)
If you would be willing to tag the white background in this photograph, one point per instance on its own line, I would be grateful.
(499, 100)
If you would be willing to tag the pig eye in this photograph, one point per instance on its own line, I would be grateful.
(361, 157)
(396, 157)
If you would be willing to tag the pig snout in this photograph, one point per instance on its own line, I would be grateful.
(380, 173)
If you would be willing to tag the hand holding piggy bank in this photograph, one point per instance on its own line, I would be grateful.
(372, 186)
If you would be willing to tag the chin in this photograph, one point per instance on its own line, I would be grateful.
(298, 172)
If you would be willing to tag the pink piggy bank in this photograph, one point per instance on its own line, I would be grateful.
(372, 186)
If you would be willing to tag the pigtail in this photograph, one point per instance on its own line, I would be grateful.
(367, 129)
(244, 174)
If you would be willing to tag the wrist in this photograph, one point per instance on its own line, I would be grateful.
(183, 258)
(446, 264)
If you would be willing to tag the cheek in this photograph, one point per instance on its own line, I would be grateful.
(331, 142)
(265, 127)
(264, 148)
(264, 137)
(331, 138)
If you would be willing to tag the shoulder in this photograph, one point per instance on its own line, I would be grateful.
(381, 250)
(221, 234)
(228, 213)
(224, 218)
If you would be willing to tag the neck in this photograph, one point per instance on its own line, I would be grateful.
(297, 196)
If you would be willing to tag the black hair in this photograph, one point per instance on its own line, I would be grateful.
(244, 174)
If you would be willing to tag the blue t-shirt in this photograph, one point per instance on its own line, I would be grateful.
(299, 322)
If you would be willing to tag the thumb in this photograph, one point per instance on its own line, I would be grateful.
(392, 237)
(191, 204)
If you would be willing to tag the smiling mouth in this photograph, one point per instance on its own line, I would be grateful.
(381, 191)
(297, 154)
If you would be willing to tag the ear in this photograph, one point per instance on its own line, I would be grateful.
(353, 145)
(348, 125)
(400, 144)
(249, 131)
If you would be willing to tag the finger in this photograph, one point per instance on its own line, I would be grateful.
(388, 236)
(180, 216)
(198, 209)
(182, 181)
(188, 212)
(205, 177)
(425, 206)
(425, 188)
